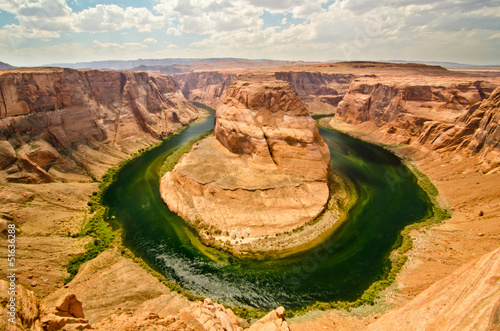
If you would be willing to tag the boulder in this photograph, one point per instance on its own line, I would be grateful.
(7, 154)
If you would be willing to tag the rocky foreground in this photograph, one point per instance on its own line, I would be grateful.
(263, 172)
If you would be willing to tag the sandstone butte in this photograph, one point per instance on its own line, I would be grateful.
(264, 170)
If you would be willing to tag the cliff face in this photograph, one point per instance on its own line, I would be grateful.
(91, 117)
(476, 132)
(264, 171)
(321, 92)
(409, 110)
(317, 86)
(206, 87)
(273, 126)
(468, 299)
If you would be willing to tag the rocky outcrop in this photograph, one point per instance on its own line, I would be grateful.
(83, 121)
(274, 320)
(263, 172)
(269, 123)
(468, 299)
(206, 86)
(25, 306)
(476, 132)
(7, 154)
(320, 91)
(406, 111)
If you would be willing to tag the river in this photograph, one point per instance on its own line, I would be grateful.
(340, 268)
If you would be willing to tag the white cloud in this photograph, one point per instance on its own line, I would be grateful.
(207, 17)
(38, 17)
(173, 31)
(113, 18)
(150, 41)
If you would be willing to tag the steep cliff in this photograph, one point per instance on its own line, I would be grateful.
(321, 92)
(263, 172)
(317, 89)
(206, 86)
(476, 132)
(83, 121)
(404, 109)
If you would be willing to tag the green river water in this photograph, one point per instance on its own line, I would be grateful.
(340, 268)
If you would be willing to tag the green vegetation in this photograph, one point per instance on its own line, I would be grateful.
(98, 227)
(173, 158)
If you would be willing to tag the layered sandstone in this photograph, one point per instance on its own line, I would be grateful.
(264, 170)
(206, 86)
(321, 91)
(70, 121)
(404, 109)
(477, 132)
(468, 299)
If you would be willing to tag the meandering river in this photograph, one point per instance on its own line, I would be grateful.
(341, 268)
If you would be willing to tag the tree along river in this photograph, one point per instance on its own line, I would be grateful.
(340, 268)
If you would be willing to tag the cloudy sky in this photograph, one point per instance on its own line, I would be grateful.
(37, 32)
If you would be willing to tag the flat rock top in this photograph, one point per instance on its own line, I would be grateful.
(210, 162)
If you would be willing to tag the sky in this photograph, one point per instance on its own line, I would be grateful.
(38, 32)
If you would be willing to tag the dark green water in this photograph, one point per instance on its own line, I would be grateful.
(339, 269)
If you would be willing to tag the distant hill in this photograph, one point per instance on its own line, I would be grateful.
(450, 65)
(4, 66)
(134, 64)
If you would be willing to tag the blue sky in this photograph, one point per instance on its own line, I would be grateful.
(37, 32)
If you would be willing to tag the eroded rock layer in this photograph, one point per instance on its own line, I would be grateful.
(263, 171)
(82, 122)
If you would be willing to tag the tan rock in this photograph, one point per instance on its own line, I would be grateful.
(280, 311)
(264, 172)
(53, 322)
(27, 305)
(7, 154)
(70, 306)
(468, 299)
(111, 113)
(41, 153)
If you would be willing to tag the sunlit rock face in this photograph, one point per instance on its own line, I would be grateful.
(263, 171)
(82, 121)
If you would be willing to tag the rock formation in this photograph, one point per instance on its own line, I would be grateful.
(26, 305)
(468, 299)
(408, 109)
(264, 171)
(318, 89)
(69, 119)
(206, 87)
(476, 132)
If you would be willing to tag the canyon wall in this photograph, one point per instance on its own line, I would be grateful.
(206, 87)
(437, 114)
(317, 89)
(82, 122)
(321, 92)
(477, 132)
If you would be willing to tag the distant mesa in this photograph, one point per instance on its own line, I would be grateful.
(264, 170)
(5, 66)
